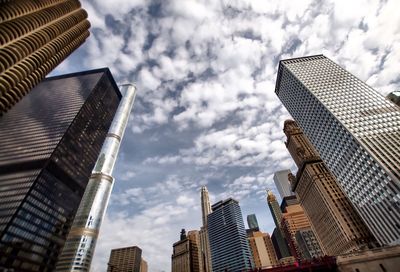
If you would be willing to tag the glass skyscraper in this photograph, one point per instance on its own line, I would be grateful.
(230, 250)
(49, 142)
(355, 130)
(252, 222)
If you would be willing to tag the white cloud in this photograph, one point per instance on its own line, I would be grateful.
(207, 70)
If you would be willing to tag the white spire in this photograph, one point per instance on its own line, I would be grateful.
(205, 204)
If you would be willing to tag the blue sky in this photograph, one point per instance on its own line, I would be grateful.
(206, 112)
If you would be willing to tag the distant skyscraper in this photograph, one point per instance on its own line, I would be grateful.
(294, 219)
(204, 241)
(228, 243)
(282, 183)
(35, 37)
(49, 143)
(337, 225)
(279, 243)
(355, 130)
(394, 97)
(186, 253)
(127, 259)
(81, 241)
(252, 222)
(143, 266)
(278, 236)
(308, 244)
(262, 249)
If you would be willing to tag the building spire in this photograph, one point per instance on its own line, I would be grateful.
(205, 204)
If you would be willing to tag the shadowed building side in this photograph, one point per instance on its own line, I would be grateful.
(44, 168)
(35, 37)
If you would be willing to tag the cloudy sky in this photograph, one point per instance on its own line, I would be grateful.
(206, 112)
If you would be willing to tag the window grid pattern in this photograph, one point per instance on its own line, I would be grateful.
(43, 177)
(228, 242)
(356, 132)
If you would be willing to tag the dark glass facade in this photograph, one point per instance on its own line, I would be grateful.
(49, 142)
(230, 250)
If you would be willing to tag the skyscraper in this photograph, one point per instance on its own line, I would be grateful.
(252, 222)
(228, 243)
(143, 265)
(262, 249)
(337, 225)
(79, 247)
(45, 167)
(35, 37)
(204, 241)
(282, 183)
(308, 244)
(356, 132)
(126, 259)
(278, 235)
(186, 253)
(294, 219)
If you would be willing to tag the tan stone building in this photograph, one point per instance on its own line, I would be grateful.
(336, 224)
(262, 249)
(35, 37)
(143, 266)
(205, 253)
(127, 259)
(186, 253)
(293, 220)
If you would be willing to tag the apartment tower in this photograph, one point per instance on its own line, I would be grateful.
(356, 132)
(126, 259)
(35, 37)
(262, 250)
(49, 143)
(337, 225)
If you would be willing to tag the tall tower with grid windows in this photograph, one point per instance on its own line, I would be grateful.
(35, 36)
(229, 248)
(356, 132)
(336, 224)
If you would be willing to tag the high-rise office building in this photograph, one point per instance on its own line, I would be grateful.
(126, 259)
(294, 219)
(277, 237)
(35, 37)
(204, 241)
(308, 244)
(282, 183)
(262, 250)
(49, 143)
(337, 225)
(186, 253)
(252, 222)
(228, 243)
(356, 132)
